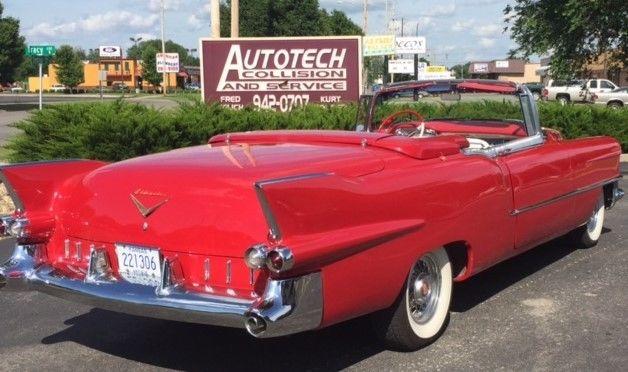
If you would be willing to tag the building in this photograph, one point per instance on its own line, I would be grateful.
(515, 70)
(601, 68)
(116, 71)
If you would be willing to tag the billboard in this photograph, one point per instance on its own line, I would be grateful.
(480, 67)
(281, 73)
(378, 45)
(167, 62)
(410, 45)
(401, 66)
(109, 51)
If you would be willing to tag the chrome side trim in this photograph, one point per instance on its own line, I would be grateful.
(286, 306)
(578, 191)
(273, 226)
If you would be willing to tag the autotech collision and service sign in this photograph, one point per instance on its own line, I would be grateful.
(281, 73)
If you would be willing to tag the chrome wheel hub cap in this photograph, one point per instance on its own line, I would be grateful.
(424, 289)
(593, 220)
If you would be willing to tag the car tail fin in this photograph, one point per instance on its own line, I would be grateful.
(27, 194)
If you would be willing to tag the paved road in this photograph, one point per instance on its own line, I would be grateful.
(553, 308)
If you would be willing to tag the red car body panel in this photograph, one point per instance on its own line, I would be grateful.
(360, 208)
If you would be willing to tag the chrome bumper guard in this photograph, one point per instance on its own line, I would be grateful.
(286, 307)
(613, 194)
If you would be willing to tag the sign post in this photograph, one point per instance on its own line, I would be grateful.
(41, 51)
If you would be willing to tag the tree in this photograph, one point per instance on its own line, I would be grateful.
(575, 32)
(137, 51)
(337, 23)
(149, 66)
(30, 67)
(70, 70)
(12, 47)
(461, 70)
(286, 18)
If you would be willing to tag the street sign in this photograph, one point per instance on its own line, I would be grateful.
(167, 62)
(41, 50)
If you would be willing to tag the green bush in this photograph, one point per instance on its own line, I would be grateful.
(120, 130)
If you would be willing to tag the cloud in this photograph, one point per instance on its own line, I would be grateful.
(95, 23)
(155, 5)
(490, 29)
(487, 42)
(463, 25)
(440, 11)
(199, 20)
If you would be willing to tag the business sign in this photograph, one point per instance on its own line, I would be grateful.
(401, 66)
(281, 73)
(378, 45)
(109, 51)
(41, 51)
(501, 64)
(426, 72)
(410, 45)
(167, 62)
(480, 68)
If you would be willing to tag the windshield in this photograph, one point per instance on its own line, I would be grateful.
(443, 102)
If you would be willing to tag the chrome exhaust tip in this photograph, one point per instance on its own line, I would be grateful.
(255, 325)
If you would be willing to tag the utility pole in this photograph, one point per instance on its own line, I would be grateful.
(235, 18)
(215, 18)
(163, 46)
(365, 16)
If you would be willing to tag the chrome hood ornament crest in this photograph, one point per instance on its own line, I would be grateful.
(147, 202)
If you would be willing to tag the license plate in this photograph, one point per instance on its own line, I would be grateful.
(139, 265)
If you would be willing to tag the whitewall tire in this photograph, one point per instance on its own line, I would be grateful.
(421, 313)
(589, 234)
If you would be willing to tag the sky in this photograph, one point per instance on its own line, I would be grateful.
(457, 31)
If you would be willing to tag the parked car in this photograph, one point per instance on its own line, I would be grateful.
(17, 89)
(58, 88)
(193, 87)
(536, 89)
(280, 232)
(596, 86)
(564, 91)
(616, 99)
(120, 87)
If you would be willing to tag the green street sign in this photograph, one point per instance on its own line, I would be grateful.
(41, 50)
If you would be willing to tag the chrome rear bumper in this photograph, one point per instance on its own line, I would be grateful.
(286, 307)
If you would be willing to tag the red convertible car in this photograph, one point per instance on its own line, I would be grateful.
(281, 232)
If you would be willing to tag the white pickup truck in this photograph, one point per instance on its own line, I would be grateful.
(565, 91)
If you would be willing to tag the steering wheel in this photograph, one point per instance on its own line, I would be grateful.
(387, 124)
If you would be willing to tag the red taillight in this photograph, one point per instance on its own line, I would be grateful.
(545, 93)
(279, 260)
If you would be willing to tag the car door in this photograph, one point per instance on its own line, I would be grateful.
(540, 176)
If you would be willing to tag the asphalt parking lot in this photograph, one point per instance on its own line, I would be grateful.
(553, 308)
